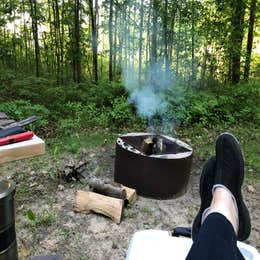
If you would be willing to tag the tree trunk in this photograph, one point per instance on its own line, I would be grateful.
(25, 35)
(154, 32)
(62, 43)
(236, 37)
(33, 6)
(171, 33)
(111, 40)
(193, 75)
(148, 42)
(115, 40)
(76, 41)
(165, 37)
(55, 10)
(94, 39)
(178, 44)
(250, 37)
(141, 39)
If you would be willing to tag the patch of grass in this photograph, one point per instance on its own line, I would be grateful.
(203, 139)
(146, 210)
(129, 212)
(44, 218)
(64, 233)
(89, 139)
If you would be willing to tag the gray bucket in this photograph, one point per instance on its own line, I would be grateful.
(8, 246)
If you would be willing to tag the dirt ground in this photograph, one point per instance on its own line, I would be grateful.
(79, 236)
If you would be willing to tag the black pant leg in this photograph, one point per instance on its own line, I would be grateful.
(216, 240)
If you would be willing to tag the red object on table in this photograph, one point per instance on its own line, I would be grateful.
(16, 138)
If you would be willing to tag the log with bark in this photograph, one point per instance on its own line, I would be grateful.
(113, 189)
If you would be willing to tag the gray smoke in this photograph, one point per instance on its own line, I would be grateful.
(149, 95)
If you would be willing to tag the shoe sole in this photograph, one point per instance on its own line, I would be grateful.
(197, 221)
(243, 213)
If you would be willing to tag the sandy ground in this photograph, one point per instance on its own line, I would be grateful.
(81, 236)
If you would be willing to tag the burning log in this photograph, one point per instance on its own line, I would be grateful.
(87, 202)
(152, 145)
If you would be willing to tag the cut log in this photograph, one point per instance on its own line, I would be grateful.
(110, 189)
(87, 202)
(130, 194)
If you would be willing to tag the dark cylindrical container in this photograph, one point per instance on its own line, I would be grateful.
(8, 246)
(161, 176)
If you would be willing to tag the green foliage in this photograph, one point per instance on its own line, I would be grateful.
(104, 93)
(31, 216)
(44, 218)
(121, 112)
(219, 104)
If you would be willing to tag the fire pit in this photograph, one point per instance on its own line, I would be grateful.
(157, 166)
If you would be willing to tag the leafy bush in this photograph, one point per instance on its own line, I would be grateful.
(219, 104)
(104, 93)
(121, 112)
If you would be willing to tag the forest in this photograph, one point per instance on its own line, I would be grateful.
(112, 64)
(91, 71)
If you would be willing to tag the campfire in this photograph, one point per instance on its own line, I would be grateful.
(157, 166)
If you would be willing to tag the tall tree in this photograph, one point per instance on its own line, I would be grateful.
(193, 76)
(57, 37)
(154, 31)
(141, 39)
(236, 38)
(111, 4)
(76, 45)
(93, 17)
(165, 36)
(34, 18)
(250, 37)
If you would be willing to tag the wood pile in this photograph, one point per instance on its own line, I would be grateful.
(107, 198)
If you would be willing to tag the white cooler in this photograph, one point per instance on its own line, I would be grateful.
(160, 245)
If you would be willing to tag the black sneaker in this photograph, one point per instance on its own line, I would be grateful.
(230, 173)
(207, 179)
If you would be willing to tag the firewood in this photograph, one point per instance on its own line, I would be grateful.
(109, 189)
(87, 202)
(130, 194)
(147, 146)
(153, 145)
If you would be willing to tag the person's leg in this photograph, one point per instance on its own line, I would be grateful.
(227, 219)
(224, 204)
(216, 240)
(206, 185)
